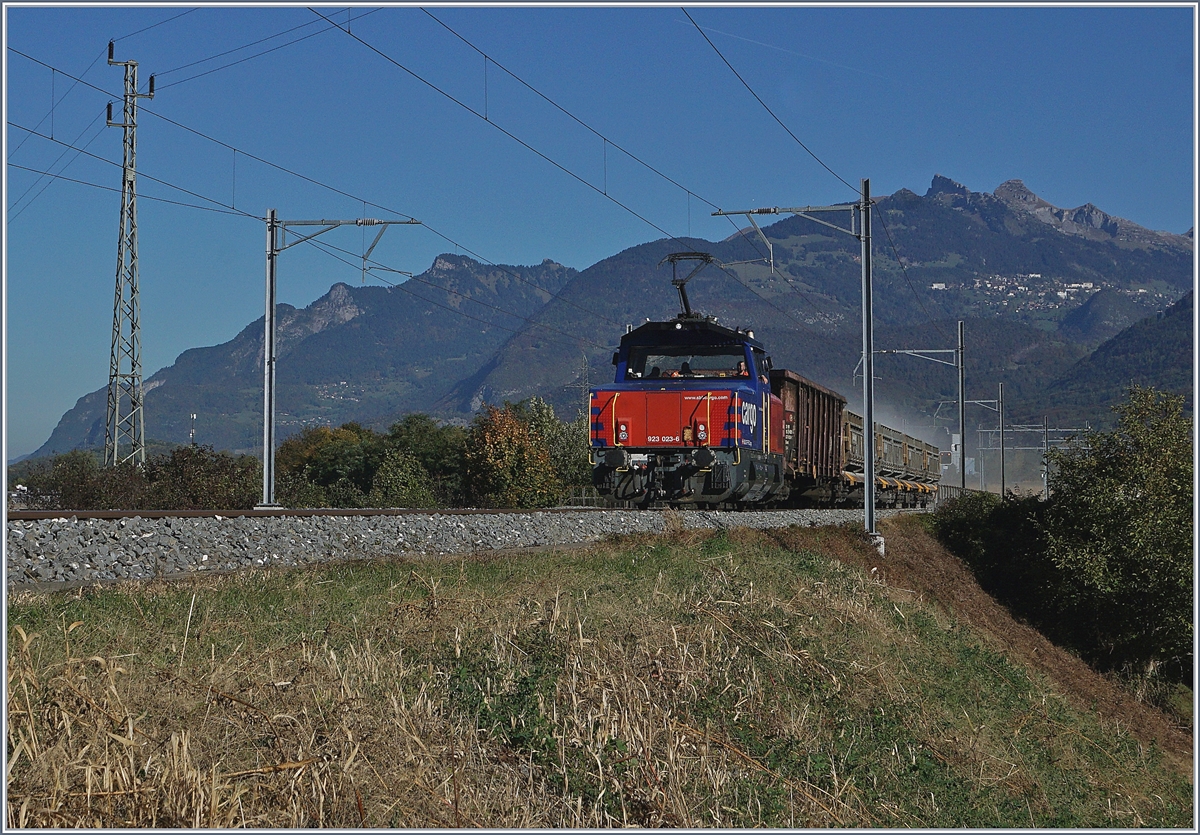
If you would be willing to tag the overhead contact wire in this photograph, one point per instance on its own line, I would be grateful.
(764, 104)
(379, 206)
(904, 272)
(334, 189)
(63, 97)
(814, 156)
(118, 191)
(227, 209)
(16, 213)
(343, 193)
(741, 232)
(548, 159)
(141, 175)
(489, 58)
(255, 55)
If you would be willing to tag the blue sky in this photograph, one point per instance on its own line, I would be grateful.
(1084, 104)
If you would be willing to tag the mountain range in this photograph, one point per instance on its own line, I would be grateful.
(1065, 306)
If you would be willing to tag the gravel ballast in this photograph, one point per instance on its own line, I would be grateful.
(73, 551)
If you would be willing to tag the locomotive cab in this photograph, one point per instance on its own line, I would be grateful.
(689, 418)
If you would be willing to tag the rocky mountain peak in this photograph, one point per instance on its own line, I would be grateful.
(1086, 221)
(335, 308)
(944, 185)
(447, 262)
(1017, 195)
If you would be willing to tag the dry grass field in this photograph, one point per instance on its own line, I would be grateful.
(782, 678)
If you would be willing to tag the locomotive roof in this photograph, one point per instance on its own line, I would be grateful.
(688, 330)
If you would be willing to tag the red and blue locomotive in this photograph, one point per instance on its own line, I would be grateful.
(698, 416)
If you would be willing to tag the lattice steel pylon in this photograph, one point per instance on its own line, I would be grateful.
(125, 424)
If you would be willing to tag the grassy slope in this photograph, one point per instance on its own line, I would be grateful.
(732, 679)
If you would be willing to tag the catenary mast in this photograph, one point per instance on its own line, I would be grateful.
(124, 429)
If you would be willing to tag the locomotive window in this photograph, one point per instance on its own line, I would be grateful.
(650, 361)
(762, 361)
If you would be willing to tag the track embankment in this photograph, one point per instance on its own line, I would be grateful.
(70, 549)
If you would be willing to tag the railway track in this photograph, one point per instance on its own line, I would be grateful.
(282, 512)
(56, 549)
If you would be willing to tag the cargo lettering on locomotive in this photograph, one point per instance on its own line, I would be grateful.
(696, 415)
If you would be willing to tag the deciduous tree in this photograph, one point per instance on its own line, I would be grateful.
(1119, 526)
(507, 465)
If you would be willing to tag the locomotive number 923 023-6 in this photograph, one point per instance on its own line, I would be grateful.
(662, 439)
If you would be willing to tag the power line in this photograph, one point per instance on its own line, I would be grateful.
(550, 160)
(118, 191)
(199, 61)
(506, 132)
(433, 230)
(336, 190)
(227, 209)
(903, 269)
(741, 232)
(764, 104)
(904, 272)
(251, 57)
(34, 184)
(331, 188)
(54, 103)
(582, 123)
(146, 176)
(154, 25)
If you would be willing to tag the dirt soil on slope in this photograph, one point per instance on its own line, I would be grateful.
(916, 564)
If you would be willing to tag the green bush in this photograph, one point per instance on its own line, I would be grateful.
(1119, 528)
(187, 478)
(1105, 567)
(401, 481)
(964, 525)
(438, 449)
(199, 478)
(293, 489)
(418, 463)
(567, 444)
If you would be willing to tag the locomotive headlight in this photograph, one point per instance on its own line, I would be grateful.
(623, 432)
(701, 432)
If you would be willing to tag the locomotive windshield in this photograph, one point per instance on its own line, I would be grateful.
(649, 361)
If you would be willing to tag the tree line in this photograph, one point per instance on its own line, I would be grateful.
(519, 455)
